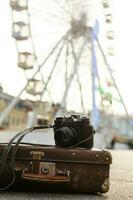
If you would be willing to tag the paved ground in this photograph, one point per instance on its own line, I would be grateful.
(121, 175)
(121, 183)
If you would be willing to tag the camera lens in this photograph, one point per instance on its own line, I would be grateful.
(65, 137)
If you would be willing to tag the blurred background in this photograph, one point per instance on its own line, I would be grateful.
(64, 57)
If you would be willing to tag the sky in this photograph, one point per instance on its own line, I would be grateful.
(12, 78)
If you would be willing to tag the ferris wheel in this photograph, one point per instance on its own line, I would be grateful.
(65, 48)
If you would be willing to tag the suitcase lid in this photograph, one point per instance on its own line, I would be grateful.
(53, 154)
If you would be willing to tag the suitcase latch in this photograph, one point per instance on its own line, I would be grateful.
(37, 155)
(47, 168)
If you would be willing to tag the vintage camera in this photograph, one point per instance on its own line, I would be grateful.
(73, 131)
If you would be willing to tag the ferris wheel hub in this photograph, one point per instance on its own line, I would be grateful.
(79, 26)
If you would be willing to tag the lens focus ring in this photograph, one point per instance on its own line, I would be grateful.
(65, 137)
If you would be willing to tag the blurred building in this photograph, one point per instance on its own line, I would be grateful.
(26, 112)
(114, 125)
(17, 117)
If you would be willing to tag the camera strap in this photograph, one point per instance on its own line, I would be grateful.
(85, 140)
(20, 135)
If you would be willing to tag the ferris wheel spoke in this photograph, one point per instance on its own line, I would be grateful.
(33, 46)
(49, 94)
(49, 14)
(66, 62)
(59, 4)
(50, 53)
(48, 17)
(78, 80)
(113, 79)
(16, 99)
(63, 7)
(77, 5)
(53, 68)
(99, 86)
(75, 68)
(66, 67)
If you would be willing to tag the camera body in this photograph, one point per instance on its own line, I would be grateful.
(73, 131)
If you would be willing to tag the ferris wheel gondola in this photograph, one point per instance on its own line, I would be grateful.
(34, 87)
(21, 33)
(110, 35)
(105, 3)
(18, 5)
(26, 60)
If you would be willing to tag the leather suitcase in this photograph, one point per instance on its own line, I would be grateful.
(52, 169)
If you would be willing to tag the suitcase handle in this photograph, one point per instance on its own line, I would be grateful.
(45, 178)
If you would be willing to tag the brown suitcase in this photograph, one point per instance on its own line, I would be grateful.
(52, 169)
